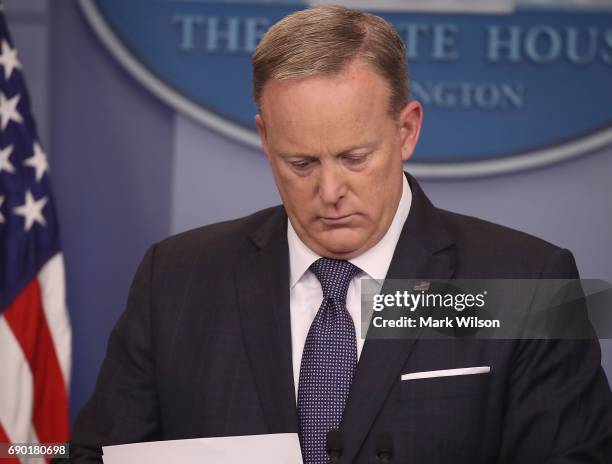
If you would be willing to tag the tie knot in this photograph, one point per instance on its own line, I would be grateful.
(335, 275)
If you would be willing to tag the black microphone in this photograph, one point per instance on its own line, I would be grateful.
(334, 444)
(384, 448)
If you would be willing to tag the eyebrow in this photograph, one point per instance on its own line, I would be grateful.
(366, 147)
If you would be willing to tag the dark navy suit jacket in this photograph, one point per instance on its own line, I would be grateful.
(203, 349)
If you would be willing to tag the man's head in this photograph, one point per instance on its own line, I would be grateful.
(331, 86)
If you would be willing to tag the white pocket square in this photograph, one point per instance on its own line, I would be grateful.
(447, 373)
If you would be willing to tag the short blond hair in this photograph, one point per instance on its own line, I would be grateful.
(324, 41)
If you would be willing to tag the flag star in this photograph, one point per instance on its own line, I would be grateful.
(8, 59)
(31, 210)
(1, 216)
(5, 163)
(8, 110)
(38, 161)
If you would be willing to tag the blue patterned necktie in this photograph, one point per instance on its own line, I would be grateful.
(328, 361)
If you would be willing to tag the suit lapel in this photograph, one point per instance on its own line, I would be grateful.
(262, 280)
(424, 250)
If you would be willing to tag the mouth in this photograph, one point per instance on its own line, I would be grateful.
(336, 220)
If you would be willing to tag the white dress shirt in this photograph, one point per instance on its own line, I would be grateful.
(306, 294)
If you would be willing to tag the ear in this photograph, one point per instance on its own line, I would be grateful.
(410, 121)
(263, 137)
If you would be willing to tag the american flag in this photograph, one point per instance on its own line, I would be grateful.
(35, 335)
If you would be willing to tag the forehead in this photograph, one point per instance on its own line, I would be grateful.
(326, 109)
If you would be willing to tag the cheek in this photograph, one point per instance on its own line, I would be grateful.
(297, 192)
(373, 189)
(283, 177)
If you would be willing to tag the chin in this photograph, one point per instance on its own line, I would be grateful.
(342, 245)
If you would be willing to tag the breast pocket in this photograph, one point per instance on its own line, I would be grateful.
(446, 415)
(455, 386)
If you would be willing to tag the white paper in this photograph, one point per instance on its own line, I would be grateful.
(281, 448)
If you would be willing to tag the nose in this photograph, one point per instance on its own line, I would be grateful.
(332, 184)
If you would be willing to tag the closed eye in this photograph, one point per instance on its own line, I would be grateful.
(301, 164)
(354, 159)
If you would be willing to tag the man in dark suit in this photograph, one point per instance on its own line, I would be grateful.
(251, 326)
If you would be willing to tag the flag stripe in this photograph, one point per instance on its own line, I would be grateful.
(26, 319)
(52, 284)
(4, 439)
(16, 396)
(15, 389)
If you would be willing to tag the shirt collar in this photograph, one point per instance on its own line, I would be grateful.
(374, 262)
